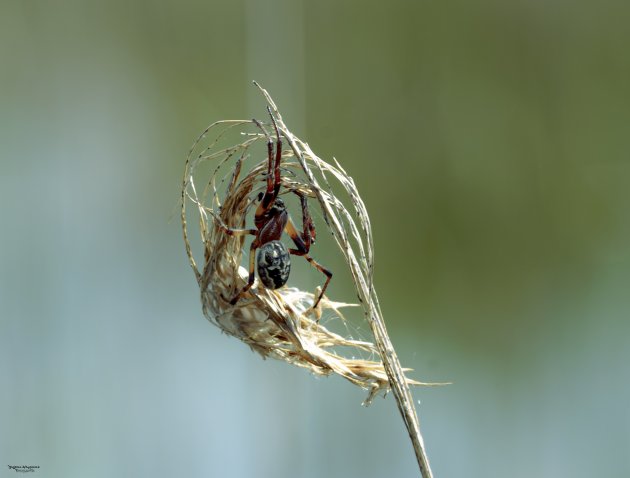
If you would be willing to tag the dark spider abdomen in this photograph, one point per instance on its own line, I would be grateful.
(274, 264)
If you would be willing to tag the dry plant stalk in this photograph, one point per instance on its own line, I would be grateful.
(280, 323)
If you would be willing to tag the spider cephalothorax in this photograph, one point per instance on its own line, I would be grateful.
(271, 220)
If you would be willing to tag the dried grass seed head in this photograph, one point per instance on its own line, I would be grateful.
(280, 323)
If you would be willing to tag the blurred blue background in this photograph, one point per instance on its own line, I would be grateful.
(490, 141)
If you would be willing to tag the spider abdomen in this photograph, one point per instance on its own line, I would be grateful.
(274, 264)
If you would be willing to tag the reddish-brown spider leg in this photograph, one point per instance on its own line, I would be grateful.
(303, 243)
(277, 180)
(270, 165)
(320, 268)
(237, 232)
(273, 171)
(252, 275)
(307, 222)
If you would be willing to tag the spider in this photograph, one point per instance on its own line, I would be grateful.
(271, 220)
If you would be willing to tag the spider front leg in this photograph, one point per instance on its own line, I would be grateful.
(303, 243)
(237, 232)
(308, 234)
(252, 275)
(273, 171)
(270, 164)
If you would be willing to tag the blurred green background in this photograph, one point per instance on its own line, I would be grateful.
(490, 140)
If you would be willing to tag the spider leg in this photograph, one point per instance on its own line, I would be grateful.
(278, 155)
(303, 243)
(270, 166)
(237, 232)
(252, 275)
(304, 240)
(307, 221)
(273, 169)
(317, 266)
